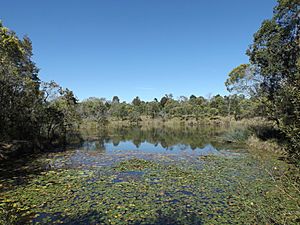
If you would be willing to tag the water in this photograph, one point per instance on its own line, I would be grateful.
(132, 174)
(161, 140)
(147, 147)
(108, 146)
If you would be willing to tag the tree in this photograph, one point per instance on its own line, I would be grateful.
(163, 101)
(152, 109)
(136, 101)
(64, 110)
(94, 109)
(192, 97)
(275, 55)
(20, 97)
(134, 117)
(218, 105)
(198, 112)
(120, 111)
(275, 50)
(244, 80)
(31, 110)
(115, 99)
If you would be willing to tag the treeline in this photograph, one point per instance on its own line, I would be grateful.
(33, 113)
(198, 108)
(268, 86)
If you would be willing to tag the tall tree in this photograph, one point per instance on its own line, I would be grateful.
(30, 110)
(244, 80)
(275, 54)
(19, 87)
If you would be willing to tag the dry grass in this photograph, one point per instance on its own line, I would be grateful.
(255, 144)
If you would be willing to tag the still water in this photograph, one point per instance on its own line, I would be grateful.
(163, 140)
(108, 146)
(147, 147)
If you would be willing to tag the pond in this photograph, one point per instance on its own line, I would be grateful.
(142, 175)
(107, 146)
(180, 148)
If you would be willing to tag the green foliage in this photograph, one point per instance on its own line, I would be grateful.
(193, 108)
(244, 80)
(272, 78)
(119, 111)
(33, 111)
(19, 87)
(275, 54)
(93, 109)
(136, 101)
(9, 214)
(152, 109)
(134, 117)
(163, 101)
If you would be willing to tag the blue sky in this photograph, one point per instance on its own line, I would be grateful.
(144, 48)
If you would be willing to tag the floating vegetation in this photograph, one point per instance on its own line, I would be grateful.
(139, 191)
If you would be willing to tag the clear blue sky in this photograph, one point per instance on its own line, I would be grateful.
(143, 48)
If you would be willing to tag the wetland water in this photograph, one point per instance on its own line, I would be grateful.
(148, 175)
(105, 147)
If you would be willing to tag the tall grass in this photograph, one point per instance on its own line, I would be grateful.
(237, 135)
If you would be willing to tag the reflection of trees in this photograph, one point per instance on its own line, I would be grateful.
(93, 145)
(195, 137)
(163, 143)
(94, 139)
(193, 147)
(115, 142)
(137, 142)
(101, 144)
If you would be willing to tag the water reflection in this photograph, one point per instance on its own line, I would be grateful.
(93, 145)
(175, 140)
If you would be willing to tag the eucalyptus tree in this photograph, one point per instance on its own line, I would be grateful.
(94, 109)
(20, 96)
(31, 110)
(152, 109)
(275, 61)
(275, 54)
(115, 99)
(136, 101)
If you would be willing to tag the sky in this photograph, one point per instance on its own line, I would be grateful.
(145, 48)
